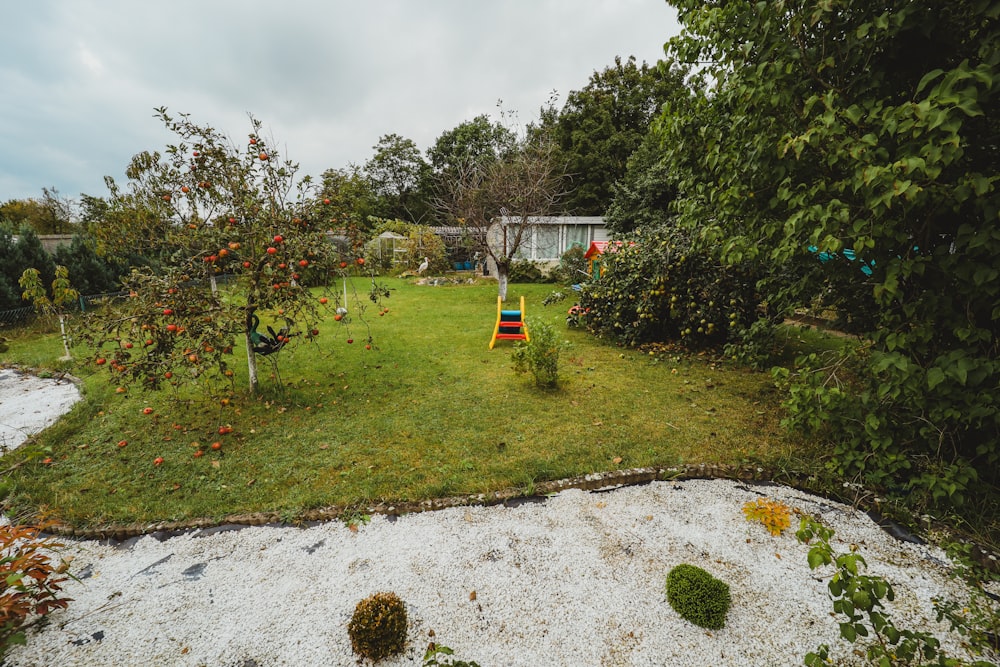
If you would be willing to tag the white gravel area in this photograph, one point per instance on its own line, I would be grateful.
(29, 403)
(576, 579)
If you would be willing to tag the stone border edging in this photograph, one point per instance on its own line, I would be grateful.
(590, 482)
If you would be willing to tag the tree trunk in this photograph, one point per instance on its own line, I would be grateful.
(251, 364)
(65, 338)
(502, 281)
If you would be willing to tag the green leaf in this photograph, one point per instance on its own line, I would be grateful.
(935, 376)
(927, 78)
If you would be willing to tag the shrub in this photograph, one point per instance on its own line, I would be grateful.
(698, 596)
(572, 266)
(539, 355)
(378, 626)
(527, 271)
(29, 581)
(662, 289)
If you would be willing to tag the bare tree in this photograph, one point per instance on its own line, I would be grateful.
(499, 200)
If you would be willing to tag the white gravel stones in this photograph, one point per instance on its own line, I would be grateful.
(575, 580)
(29, 404)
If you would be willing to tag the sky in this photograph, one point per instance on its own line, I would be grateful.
(79, 79)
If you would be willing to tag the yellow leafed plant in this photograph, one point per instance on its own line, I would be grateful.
(772, 514)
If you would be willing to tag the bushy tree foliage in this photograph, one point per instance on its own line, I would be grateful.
(477, 140)
(658, 287)
(602, 125)
(870, 127)
(19, 253)
(92, 274)
(50, 214)
(350, 201)
(400, 177)
(205, 207)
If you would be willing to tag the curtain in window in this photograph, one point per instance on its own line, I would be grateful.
(577, 235)
(547, 242)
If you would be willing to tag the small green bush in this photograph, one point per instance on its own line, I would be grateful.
(540, 354)
(527, 271)
(698, 596)
(378, 626)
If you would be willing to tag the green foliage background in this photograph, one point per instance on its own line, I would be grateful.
(869, 126)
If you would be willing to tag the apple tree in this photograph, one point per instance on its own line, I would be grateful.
(205, 209)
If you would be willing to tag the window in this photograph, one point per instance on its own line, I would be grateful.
(576, 235)
(547, 242)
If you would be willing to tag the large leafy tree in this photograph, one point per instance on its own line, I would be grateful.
(478, 140)
(50, 214)
(868, 126)
(350, 200)
(602, 124)
(206, 206)
(399, 176)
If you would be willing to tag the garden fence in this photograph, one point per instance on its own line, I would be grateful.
(25, 315)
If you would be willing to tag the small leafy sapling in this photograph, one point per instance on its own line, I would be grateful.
(860, 599)
(540, 355)
(63, 295)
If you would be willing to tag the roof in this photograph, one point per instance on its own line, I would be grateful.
(600, 247)
(592, 220)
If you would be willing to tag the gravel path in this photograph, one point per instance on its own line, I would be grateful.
(576, 579)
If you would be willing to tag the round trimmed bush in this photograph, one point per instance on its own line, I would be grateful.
(378, 626)
(698, 596)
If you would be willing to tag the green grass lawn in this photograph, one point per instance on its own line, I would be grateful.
(429, 411)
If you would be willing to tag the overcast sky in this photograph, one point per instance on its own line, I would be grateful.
(79, 78)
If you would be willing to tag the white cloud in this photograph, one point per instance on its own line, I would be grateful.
(328, 78)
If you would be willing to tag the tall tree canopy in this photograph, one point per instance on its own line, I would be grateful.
(602, 124)
(867, 126)
(400, 178)
(479, 139)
